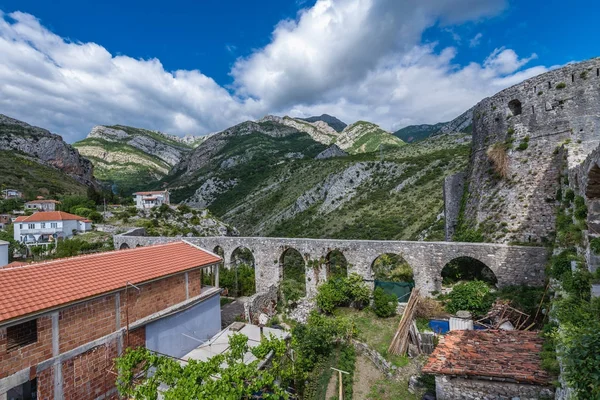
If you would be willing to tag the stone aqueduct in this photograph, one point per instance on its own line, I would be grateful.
(512, 265)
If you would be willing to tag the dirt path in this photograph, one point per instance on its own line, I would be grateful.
(365, 376)
(332, 387)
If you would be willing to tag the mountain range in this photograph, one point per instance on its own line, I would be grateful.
(279, 175)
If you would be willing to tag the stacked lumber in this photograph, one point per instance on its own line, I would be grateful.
(406, 328)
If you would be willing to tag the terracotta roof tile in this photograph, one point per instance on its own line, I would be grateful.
(42, 286)
(42, 216)
(41, 201)
(149, 193)
(494, 354)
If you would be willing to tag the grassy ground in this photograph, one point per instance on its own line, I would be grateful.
(376, 332)
(386, 389)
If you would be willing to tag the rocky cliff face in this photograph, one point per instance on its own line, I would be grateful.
(320, 131)
(519, 137)
(329, 120)
(46, 148)
(365, 137)
(133, 158)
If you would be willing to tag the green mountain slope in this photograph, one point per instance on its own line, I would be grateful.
(263, 179)
(416, 133)
(366, 137)
(132, 158)
(25, 173)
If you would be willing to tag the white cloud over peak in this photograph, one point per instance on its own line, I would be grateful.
(355, 59)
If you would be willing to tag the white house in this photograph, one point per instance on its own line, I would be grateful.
(3, 253)
(146, 200)
(42, 205)
(11, 194)
(40, 227)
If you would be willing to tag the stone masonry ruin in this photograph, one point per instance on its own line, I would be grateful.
(512, 265)
(539, 124)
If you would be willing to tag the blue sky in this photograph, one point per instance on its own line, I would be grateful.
(201, 66)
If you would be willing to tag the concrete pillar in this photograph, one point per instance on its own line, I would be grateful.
(216, 275)
(187, 286)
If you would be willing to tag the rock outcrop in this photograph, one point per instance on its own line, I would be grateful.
(46, 148)
(329, 120)
(320, 131)
(330, 152)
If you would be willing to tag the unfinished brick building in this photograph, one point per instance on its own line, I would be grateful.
(63, 322)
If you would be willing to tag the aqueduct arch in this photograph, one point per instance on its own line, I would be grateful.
(512, 265)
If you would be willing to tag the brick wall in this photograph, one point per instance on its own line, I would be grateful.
(153, 297)
(45, 384)
(194, 280)
(137, 337)
(29, 355)
(85, 322)
(85, 376)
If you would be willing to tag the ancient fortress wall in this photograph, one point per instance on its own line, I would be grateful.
(528, 126)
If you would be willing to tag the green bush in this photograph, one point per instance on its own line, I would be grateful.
(329, 296)
(561, 85)
(578, 283)
(471, 296)
(343, 292)
(595, 245)
(569, 195)
(384, 304)
(292, 291)
(561, 263)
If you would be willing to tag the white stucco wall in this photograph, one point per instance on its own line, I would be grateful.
(3, 253)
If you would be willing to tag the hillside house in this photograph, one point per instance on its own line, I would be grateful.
(147, 200)
(5, 219)
(42, 205)
(492, 364)
(59, 339)
(45, 226)
(11, 194)
(3, 253)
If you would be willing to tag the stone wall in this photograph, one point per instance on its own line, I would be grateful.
(262, 303)
(512, 265)
(448, 388)
(453, 191)
(553, 109)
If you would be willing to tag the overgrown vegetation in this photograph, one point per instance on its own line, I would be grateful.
(471, 296)
(384, 304)
(343, 292)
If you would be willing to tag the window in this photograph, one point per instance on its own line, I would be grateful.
(20, 226)
(53, 225)
(515, 107)
(43, 225)
(21, 335)
(31, 226)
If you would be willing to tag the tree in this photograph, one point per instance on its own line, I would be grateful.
(224, 376)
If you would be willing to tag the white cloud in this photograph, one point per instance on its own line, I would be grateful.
(356, 59)
(69, 87)
(474, 42)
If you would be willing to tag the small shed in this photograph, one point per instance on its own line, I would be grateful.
(492, 364)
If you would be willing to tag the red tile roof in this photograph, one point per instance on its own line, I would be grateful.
(150, 193)
(21, 218)
(42, 216)
(41, 201)
(493, 354)
(43, 286)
